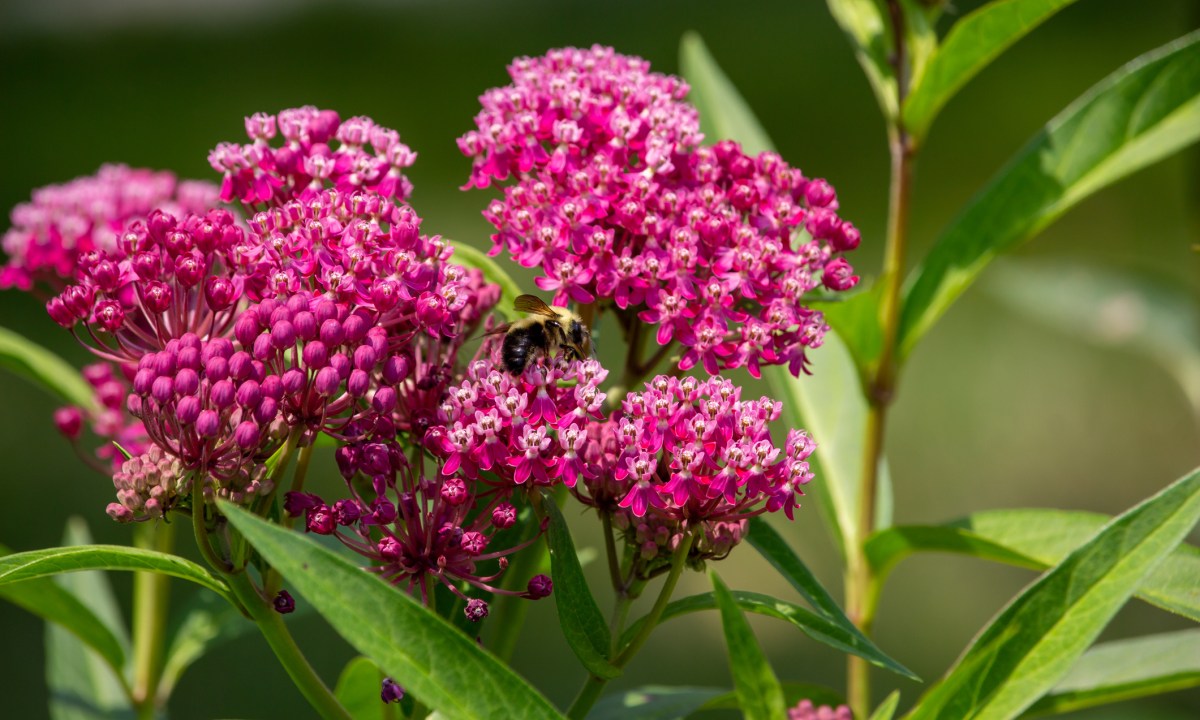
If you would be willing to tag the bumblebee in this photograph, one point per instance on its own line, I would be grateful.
(548, 331)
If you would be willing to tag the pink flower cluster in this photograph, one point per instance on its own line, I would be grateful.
(109, 420)
(506, 431)
(613, 199)
(806, 710)
(367, 157)
(63, 222)
(686, 454)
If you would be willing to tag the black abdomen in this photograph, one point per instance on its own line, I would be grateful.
(519, 344)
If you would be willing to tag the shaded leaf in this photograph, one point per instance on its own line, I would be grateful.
(758, 692)
(812, 624)
(358, 689)
(45, 369)
(868, 32)
(1126, 669)
(1143, 112)
(1036, 539)
(653, 702)
(204, 623)
(793, 693)
(53, 561)
(582, 623)
(443, 668)
(972, 43)
(472, 257)
(724, 114)
(1032, 642)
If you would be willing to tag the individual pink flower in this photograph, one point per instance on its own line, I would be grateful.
(63, 222)
(806, 710)
(108, 418)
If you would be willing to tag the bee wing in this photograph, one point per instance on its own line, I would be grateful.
(534, 305)
(500, 330)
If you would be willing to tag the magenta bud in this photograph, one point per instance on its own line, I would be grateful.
(294, 381)
(395, 369)
(384, 400)
(473, 542)
(319, 520)
(315, 355)
(476, 610)
(272, 387)
(819, 193)
(60, 313)
(358, 383)
(504, 516)
(246, 329)
(454, 491)
(283, 334)
(217, 368)
(156, 296)
(389, 548)
(162, 389)
(325, 310)
(332, 332)
(284, 603)
(187, 382)
(109, 315)
(69, 421)
(208, 423)
(341, 364)
(281, 314)
(385, 294)
(390, 691)
(540, 586)
(846, 237)
(164, 363)
(190, 269)
(240, 365)
(364, 357)
(327, 382)
(347, 458)
(249, 394)
(356, 327)
(306, 325)
(346, 512)
(187, 410)
(133, 404)
(246, 435)
(263, 349)
(266, 411)
(143, 381)
(106, 275)
(222, 394)
(189, 357)
(295, 503)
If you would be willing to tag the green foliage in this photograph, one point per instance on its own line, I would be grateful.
(358, 689)
(579, 616)
(203, 623)
(1126, 669)
(869, 35)
(972, 43)
(429, 657)
(1143, 112)
(759, 695)
(472, 257)
(1031, 644)
(654, 702)
(44, 369)
(723, 111)
(887, 709)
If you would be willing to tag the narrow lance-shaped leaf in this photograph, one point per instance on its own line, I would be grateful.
(204, 622)
(972, 43)
(1126, 669)
(579, 616)
(1143, 112)
(44, 369)
(54, 561)
(723, 112)
(1036, 539)
(1031, 644)
(759, 695)
(887, 709)
(441, 667)
(812, 624)
(867, 30)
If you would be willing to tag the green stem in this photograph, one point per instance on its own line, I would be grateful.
(151, 592)
(200, 528)
(610, 550)
(861, 585)
(593, 686)
(271, 624)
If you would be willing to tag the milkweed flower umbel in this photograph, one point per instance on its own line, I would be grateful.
(610, 194)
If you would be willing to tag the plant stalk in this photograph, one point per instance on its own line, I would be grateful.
(271, 624)
(151, 592)
(861, 585)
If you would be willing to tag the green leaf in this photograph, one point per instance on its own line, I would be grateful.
(724, 114)
(45, 369)
(773, 547)
(887, 709)
(758, 691)
(1036, 539)
(972, 43)
(443, 668)
(579, 616)
(472, 257)
(653, 702)
(1126, 669)
(358, 690)
(812, 624)
(864, 25)
(83, 686)
(53, 561)
(204, 623)
(1151, 316)
(1139, 114)
(1033, 641)
(51, 602)
(856, 322)
(793, 693)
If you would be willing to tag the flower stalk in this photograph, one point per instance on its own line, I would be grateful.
(151, 592)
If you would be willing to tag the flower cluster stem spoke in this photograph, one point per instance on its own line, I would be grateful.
(861, 585)
(200, 527)
(271, 624)
(151, 592)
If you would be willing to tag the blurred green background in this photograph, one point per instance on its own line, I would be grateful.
(994, 411)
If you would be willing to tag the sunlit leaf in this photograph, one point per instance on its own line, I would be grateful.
(972, 43)
(1032, 643)
(887, 709)
(758, 692)
(1140, 114)
(724, 115)
(440, 666)
(44, 369)
(868, 31)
